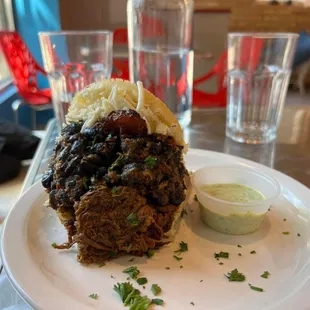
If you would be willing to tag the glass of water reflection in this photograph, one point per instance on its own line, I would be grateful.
(259, 68)
(73, 60)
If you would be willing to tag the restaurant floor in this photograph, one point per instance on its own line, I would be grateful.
(9, 191)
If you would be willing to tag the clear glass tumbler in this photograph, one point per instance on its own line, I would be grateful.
(259, 68)
(73, 60)
(160, 54)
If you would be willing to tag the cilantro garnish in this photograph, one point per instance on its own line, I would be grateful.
(183, 248)
(253, 252)
(221, 255)
(157, 301)
(132, 218)
(285, 232)
(54, 245)
(255, 288)
(177, 258)
(265, 275)
(123, 290)
(142, 281)
(150, 162)
(235, 276)
(184, 212)
(150, 253)
(155, 289)
(93, 296)
(132, 271)
(129, 247)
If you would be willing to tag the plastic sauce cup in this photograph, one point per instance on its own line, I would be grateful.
(234, 218)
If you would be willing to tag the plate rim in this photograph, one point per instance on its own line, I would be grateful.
(31, 191)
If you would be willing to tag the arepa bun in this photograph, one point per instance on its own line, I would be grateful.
(99, 99)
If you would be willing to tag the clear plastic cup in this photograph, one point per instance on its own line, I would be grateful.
(234, 218)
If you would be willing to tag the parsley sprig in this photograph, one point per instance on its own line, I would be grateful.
(235, 276)
(183, 248)
(133, 271)
(221, 255)
(132, 218)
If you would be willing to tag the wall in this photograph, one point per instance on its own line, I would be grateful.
(32, 16)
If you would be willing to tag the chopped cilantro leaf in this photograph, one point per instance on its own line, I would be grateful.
(285, 232)
(183, 248)
(157, 301)
(150, 162)
(235, 276)
(150, 253)
(132, 271)
(109, 136)
(123, 290)
(114, 190)
(253, 252)
(129, 247)
(184, 212)
(101, 265)
(93, 296)
(221, 255)
(255, 288)
(54, 244)
(195, 198)
(142, 281)
(132, 218)
(155, 288)
(265, 275)
(177, 258)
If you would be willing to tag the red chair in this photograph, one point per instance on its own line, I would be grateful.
(24, 70)
(203, 99)
(248, 58)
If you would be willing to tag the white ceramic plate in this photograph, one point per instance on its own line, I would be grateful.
(50, 279)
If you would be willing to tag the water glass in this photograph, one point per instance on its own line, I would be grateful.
(259, 68)
(73, 60)
(160, 55)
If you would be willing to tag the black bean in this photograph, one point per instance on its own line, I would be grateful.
(47, 178)
(78, 146)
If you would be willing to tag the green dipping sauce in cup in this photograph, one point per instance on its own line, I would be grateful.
(235, 223)
(233, 192)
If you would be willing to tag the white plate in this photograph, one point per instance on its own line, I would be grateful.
(49, 279)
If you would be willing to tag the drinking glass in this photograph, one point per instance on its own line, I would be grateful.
(259, 68)
(160, 53)
(73, 60)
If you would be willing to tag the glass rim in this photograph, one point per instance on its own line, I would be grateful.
(271, 35)
(75, 32)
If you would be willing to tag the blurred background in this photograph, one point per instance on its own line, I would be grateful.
(212, 21)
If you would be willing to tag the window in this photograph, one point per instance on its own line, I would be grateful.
(6, 23)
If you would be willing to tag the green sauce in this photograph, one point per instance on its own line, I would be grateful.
(233, 192)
